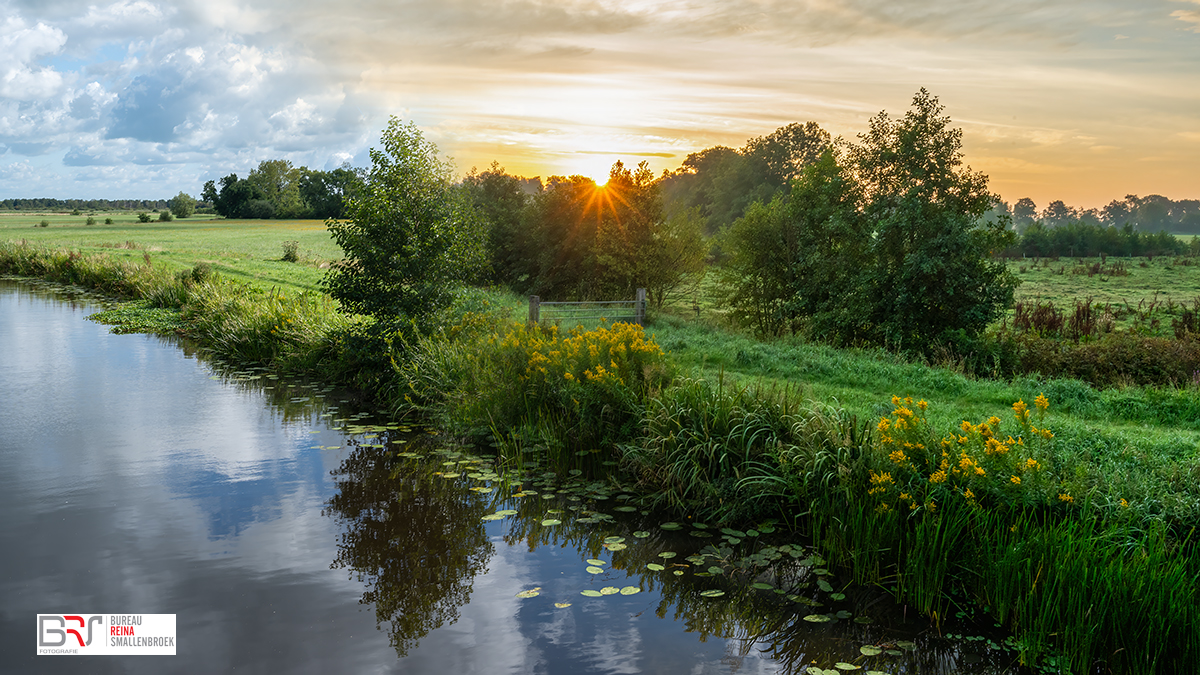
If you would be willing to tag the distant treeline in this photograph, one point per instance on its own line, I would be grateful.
(1152, 213)
(48, 204)
(276, 189)
(1089, 240)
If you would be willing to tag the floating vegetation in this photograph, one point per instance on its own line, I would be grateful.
(592, 569)
(533, 592)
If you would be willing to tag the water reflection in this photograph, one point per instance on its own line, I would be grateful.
(414, 537)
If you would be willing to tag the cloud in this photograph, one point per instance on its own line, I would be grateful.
(21, 78)
(1190, 16)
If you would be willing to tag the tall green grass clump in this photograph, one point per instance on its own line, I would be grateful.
(480, 374)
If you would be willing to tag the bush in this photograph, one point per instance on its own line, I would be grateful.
(91, 221)
(108, 221)
(165, 216)
(182, 205)
(44, 223)
(258, 208)
(291, 251)
(143, 217)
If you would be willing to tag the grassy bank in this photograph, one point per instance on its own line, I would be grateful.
(1076, 535)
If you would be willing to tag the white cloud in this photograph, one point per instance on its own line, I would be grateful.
(21, 78)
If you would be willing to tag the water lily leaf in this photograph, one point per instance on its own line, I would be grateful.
(625, 509)
(451, 475)
(630, 590)
(843, 615)
(561, 605)
(712, 594)
(906, 644)
(700, 526)
(641, 534)
(614, 540)
(592, 569)
(837, 596)
(670, 526)
(551, 521)
(893, 652)
(507, 512)
(863, 620)
(481, 490)
(533, 592)
(842, 665)
(591, 593)
(609, 590)
(701, 533)
(870, 650)
(824, 585)
(615, 547)
(876, 672)
(593, 561)
(492, 516)
(667, 554)
(763, 587)
(655, 567)
(818, 618)
(678, 573)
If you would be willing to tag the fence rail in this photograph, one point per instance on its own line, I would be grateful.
(632, 311)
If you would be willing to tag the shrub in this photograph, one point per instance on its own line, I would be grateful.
(165, 216)
(108, 221)
(291, 251)
(91, 220)
(43, 223)
(143, 217)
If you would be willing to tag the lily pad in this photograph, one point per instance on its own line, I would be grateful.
(507, 512)
(667, 554)
(641, 534)
(863, 620)
(493, 516)
(824, 585)
(842, 665)
(594, 561)
(670, 526)
(551, 521)
(562, 605)
(715, 570)
(701, 533)
(609, 590)
(451, 475)
(625, 509)
(763, 587)
(818, 618)
(843, 615)
(591, 594)
(712, 594)
(630, 590)
(592, 569)
(615, 547)
(678, 573)
(614, 540)
(533, 592)
(837, 596)
(870, 650)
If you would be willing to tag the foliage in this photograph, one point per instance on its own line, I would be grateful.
(143, 217)
(165, 216)
(884, 245)
(1080, 239)
(182, 205)
(408, 236)
(591, 384)
(500, 200)
(723, 182)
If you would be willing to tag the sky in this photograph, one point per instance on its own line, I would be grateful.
(1080, 100)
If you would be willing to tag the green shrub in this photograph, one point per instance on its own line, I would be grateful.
(291, 251)
(91, 220)
(165, 216)
(143, 217)
(43, 223)
(108, 221)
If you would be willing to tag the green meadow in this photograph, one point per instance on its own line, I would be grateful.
(249, 250)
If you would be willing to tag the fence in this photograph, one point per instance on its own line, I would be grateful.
(575, 313)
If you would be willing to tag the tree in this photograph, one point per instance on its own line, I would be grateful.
(676, 251)
(1024, 211)
(500, 199)
(278, 183)
(182, 205)
(931, 268)
(1058, 213)
(325, 192)
(408, 237)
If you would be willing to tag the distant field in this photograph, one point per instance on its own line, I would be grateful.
(1175, 278)
(243, 249)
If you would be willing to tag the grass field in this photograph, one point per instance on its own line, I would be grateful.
(250, 250)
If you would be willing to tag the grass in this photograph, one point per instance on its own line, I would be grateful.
(249, 250)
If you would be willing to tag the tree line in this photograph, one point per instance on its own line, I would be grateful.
(50, 204)
(1152, 213)
(276, 189)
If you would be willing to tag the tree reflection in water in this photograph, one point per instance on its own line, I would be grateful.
(414, 538)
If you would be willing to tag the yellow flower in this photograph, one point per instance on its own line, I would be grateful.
(938, 477)
(966, 426)
(898, 457)
(1041, 402)
(1015, 480)
(968, 494)
(994, 422)
(1032, 463)
(1124, 503)
(979, 471)
(922, 405)
(905, 496)
(568, 376)
(1021, 411)
(883, 424)
(1063, 497)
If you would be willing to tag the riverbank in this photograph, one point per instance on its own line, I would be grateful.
(1063, 550)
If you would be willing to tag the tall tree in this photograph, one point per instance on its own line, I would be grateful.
(408, 237)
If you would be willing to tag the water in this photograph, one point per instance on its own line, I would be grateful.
(137, 478)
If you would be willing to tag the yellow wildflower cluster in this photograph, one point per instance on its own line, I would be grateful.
(880, 482)
(620, 354)
(971, 463)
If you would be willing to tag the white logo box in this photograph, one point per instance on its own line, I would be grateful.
(105, 634)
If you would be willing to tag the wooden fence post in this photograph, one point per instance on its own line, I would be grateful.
(640, 307)
(534, 309)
